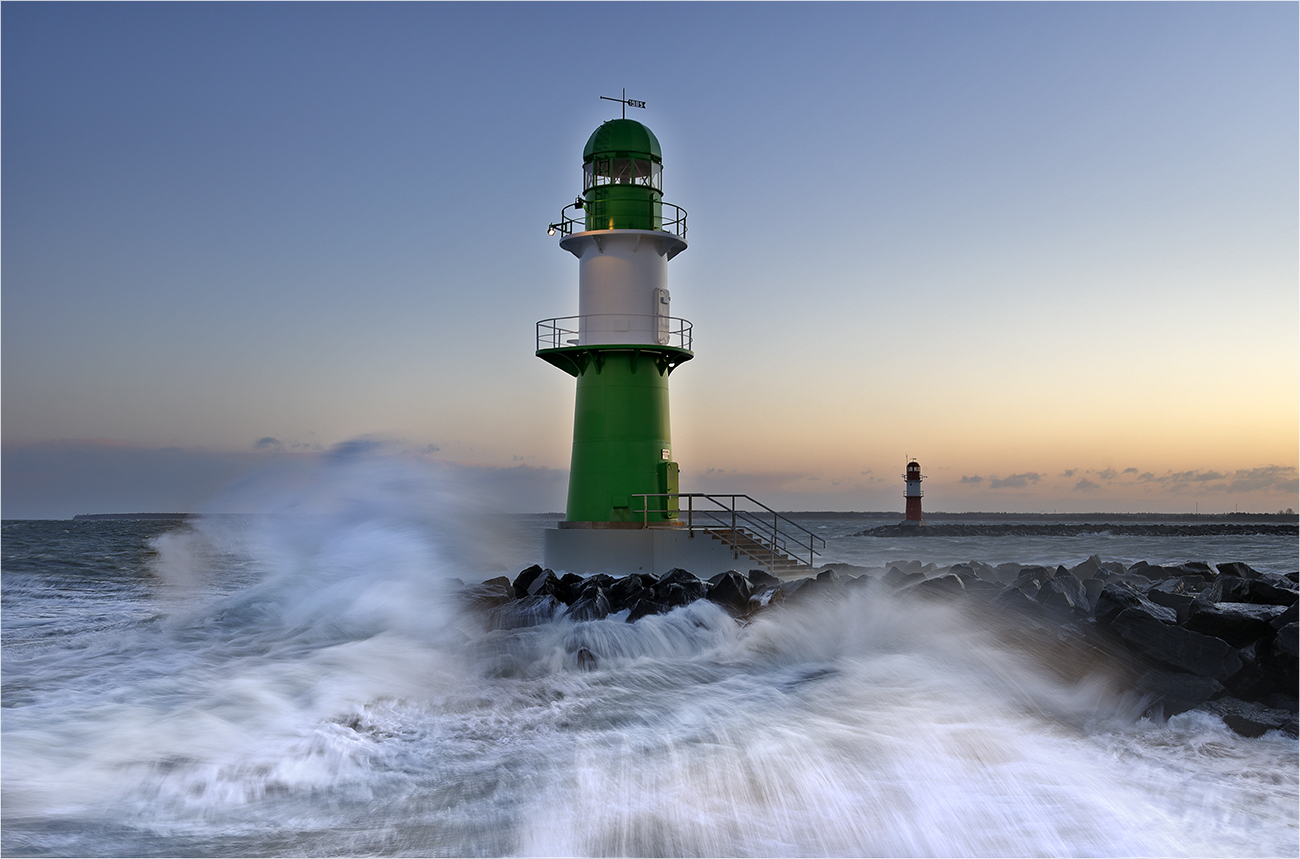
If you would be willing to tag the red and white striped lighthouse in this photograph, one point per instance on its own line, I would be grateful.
(913, 493)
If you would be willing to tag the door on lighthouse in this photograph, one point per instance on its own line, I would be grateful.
(661, 311)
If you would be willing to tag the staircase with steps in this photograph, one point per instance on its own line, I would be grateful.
(745, 526)
(773, 559)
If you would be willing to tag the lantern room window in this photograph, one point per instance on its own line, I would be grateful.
(622, 171)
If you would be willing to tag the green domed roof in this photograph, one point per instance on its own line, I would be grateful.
(624, 138)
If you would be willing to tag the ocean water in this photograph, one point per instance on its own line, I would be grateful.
(302, 684)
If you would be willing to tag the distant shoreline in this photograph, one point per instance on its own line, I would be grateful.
(99, 517)
(895, 515)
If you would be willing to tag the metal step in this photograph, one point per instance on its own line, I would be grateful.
(776, 561)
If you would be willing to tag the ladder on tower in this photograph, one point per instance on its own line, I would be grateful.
(763, 537)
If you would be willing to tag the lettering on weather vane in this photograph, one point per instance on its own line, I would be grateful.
(625, 101)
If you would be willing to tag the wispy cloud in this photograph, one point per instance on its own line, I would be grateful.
(974, 478)
(1014, 481)
(1107, 474)
(1085, 485)
(1270, 477)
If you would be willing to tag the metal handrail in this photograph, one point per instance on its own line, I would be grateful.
(673, 222)
(555, 333)
(747, 522)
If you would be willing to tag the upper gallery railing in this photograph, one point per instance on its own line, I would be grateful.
(669, 218)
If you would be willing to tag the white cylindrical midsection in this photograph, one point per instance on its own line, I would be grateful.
(913, 489)
(622, 289)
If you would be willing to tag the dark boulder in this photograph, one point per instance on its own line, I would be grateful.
(765, 598)
(525, 579)
(1088, 569)
(963, 571)
(547, 583)
(1013, 598)
(1031, 580)
(592, 606)
(679, 587)
(677, 576)
(1236, 568)
(1178, 691)
(1140, 582)
(627, 590)
(599, 580)
(731, 591)
(1272, 589)
(1064, 592)
(1260, 675)
(525, 612)
(1176, 647)
(976, 588)
(1235, 623)
(763, 579)
(831, 576)
(1251, 719)
(569, 588)
(1227, 589)
(1117, 597)
(1173, 593)
(792, 587)
(644, 607)
(1005, 574)
(1194, 568)
(586, 659)
(946, 585)
(894, 577)
(486, 596)
(674, 594)
(1291, 615)
(1287, 640)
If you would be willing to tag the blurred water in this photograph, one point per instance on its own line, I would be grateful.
(300, 684)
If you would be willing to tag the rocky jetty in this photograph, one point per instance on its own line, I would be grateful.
(1221, 639)
(1075, 529)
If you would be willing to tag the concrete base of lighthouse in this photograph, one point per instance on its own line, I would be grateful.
(620, 551)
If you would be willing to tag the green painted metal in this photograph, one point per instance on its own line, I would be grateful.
(623, 207)
(622, 186)
(574, 359)
(620, 436)
(625, 138)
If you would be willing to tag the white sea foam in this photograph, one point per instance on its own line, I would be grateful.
(314, 689)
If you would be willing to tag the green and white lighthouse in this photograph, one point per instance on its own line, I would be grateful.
(623, 344)
(625, 512)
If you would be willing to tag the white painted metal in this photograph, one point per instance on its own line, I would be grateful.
(913, 489)
(622, 284)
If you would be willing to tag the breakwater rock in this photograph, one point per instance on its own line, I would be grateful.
(1221, 639)
(1075, 529)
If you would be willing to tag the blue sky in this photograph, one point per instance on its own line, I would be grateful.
(1014, 240)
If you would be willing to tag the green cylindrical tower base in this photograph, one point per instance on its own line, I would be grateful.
(622, 443)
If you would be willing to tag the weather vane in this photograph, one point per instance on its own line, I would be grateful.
(625, 101)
